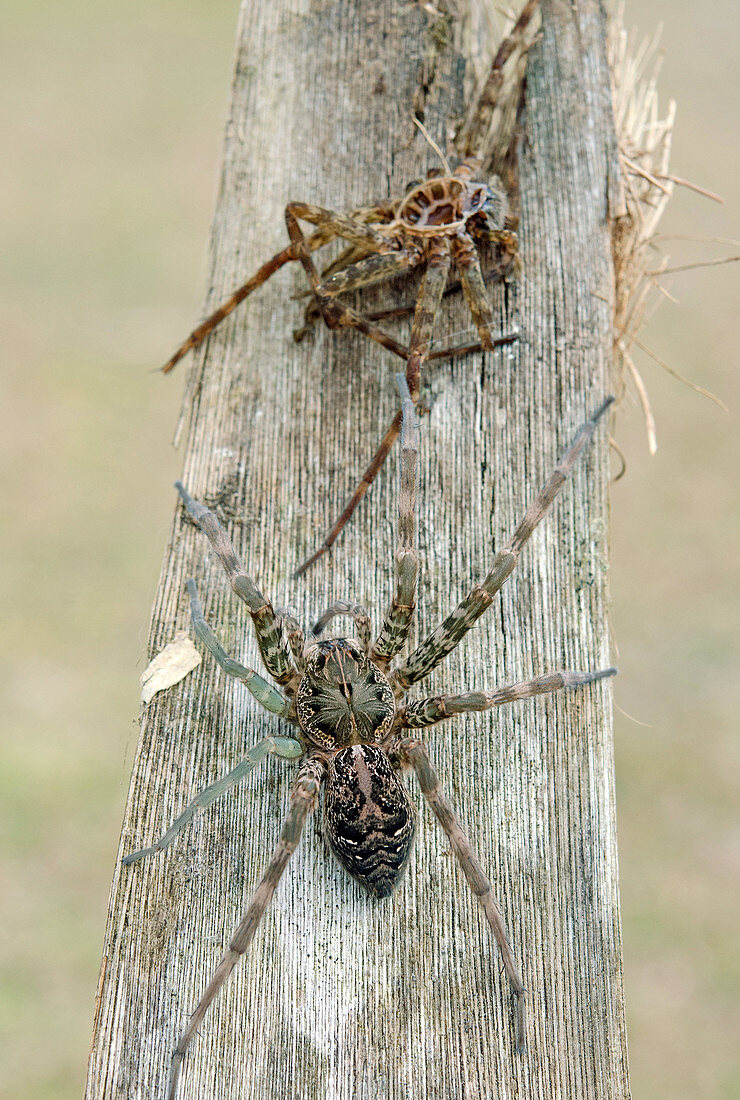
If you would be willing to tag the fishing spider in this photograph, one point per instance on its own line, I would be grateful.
(354, 730)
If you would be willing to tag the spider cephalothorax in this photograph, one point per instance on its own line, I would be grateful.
(451, 205)
(343, 698)
(354, 729)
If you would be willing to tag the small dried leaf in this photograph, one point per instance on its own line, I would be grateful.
(169, 667)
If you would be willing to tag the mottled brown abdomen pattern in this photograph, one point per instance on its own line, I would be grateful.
(368, 818)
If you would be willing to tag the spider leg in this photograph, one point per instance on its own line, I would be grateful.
(356, 612)
(426, 712)
(448, 635)
(296, 638)
(382, 212)
(198, 335)
(508, 44)
(415, 753)
(376, 268)
(263, 692)
(369, 270)
(453, 288)
(508, 265)
(350, 255)
(346, 226)
(468, 349)
(381, 454)
(275, 652)
(303, 797)
(474, 289)
(407, 311)
(282, 746)
(477, 125)
(335, 313)
(398, 617)
(427, 306)
(366, 481)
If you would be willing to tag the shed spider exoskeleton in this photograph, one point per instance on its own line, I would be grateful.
(440, 222)
(351, 269)
(346, 699)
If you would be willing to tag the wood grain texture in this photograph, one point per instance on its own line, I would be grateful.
(343, 996)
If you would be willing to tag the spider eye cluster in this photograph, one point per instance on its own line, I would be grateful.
(343, 697)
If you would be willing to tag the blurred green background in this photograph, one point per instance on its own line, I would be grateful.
(112, 131)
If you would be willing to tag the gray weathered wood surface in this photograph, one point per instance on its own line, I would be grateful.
(342, 996)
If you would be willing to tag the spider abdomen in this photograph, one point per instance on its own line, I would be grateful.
(368, 817)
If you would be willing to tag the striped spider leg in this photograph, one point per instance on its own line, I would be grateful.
(353, 728)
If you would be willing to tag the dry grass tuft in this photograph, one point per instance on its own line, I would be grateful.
(644, 139)
(644, 136)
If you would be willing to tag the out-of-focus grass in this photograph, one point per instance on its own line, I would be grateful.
(675, 527)
(110, 162)
(112, 118)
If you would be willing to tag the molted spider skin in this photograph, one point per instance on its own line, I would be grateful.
(437, 226)
(368, 818)
(343, 697)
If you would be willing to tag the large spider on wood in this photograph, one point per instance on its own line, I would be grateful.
(354, 730)
(440, 223)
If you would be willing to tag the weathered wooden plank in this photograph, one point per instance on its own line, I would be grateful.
(342, 996)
